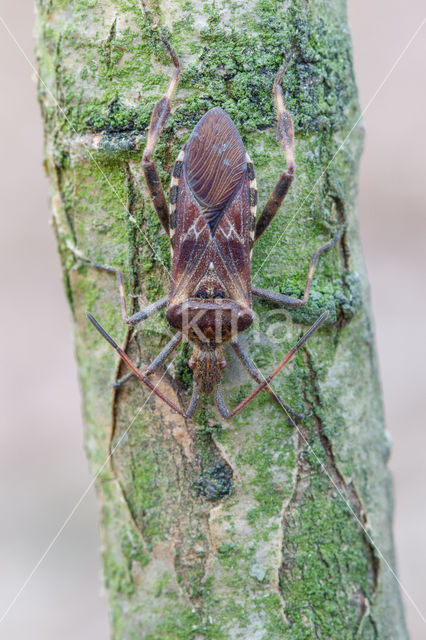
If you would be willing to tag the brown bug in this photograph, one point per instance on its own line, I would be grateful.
(212, 227)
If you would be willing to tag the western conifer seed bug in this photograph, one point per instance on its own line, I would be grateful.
(211, 222)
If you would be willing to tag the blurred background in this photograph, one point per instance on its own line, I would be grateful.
(43, 470)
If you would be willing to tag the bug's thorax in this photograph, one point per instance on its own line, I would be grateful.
(207, 321)
(207, 362)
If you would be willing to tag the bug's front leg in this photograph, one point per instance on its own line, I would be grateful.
(288, 301)
(159, 117)
(285, 130)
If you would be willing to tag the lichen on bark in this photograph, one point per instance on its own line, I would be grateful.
(249, 529)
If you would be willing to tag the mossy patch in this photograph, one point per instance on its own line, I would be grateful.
(323, 546)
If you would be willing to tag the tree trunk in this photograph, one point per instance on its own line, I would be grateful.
(211, 529)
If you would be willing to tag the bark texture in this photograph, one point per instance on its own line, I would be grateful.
(247, 529)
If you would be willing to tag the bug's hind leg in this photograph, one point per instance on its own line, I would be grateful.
(288, 301)
(254, 372)
(194, 402)
(159, 117)
(220, 402)
(285, 130)
(283, 362)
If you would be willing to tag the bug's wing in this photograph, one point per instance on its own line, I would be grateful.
(210, 209)
(190, 240)
(222, 177)
(215, 163)
(234, 241)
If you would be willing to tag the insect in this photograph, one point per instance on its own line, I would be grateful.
(212, 227)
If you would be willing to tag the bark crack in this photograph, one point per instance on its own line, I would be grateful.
(315, 448)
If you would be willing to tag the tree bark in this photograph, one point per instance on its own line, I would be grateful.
(247, 529)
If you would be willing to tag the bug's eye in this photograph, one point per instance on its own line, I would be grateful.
(201, 294)
(218, 294)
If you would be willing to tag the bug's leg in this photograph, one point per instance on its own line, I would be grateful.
(139, 315)
(168, 349)
(285, 130)
(159, 117)
(148, 311)
(283, 362)
(288, 301)
(124, 379)
(220, 402)
(195, 399)
(254, 372)
(157, 362)
(135, 370)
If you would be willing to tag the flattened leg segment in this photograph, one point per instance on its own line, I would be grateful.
(220, 402)
(194, 402)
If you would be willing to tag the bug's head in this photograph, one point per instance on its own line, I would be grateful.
(207, 363)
